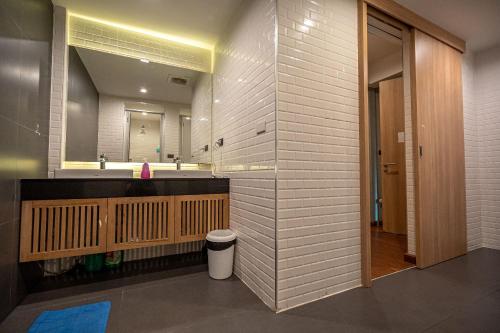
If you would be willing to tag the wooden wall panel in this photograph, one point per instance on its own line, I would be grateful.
(62, 228)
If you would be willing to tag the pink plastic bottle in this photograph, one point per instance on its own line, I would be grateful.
(145, 174)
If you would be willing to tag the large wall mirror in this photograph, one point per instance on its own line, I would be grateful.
(135, 110)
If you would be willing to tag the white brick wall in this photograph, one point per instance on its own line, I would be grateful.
(171, 132)
(201, 119)
(472, 186)
(112, 120)
(58, 94)
(110, 138)
(410, 173)
(318, 150)
(244, 95)
(487, 103)
(110, 39)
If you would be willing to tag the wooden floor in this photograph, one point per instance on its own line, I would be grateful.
(387, 252)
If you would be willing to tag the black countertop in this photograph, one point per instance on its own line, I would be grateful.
(87, 188)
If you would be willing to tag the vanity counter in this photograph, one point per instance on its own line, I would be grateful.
(83, 188)
(67, 217)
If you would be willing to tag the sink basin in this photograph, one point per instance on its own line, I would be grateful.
(92, 173)
(182, 174)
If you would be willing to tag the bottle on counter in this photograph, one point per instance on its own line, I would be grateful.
(145, 173)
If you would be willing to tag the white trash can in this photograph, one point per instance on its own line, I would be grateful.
(220, 246)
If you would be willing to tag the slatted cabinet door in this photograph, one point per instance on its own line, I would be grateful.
(62, 228)
(140, 222)
(196, 215)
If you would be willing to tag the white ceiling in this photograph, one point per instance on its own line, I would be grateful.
(380, 47)
(202, 20)
(475, 21)
(122, 76)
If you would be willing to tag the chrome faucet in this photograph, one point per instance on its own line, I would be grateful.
(102, 161)
(178, 162)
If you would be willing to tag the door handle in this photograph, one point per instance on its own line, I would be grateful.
(388, 164)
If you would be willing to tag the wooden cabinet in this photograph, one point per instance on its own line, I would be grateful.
(62, 228)
(196, 215)
(140, 222)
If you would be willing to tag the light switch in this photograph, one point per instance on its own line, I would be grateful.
(261, 127)
(401, 137)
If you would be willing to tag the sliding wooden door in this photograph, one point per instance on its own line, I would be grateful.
(439, 146)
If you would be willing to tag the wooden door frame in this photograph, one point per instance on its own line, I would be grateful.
(398, 14)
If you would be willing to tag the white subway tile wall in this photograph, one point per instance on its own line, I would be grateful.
(171, 130)
(472, 186)
(201, 120)
(244, 97)
(57, 130)
(98, 36)
(318, 150)
(410, 173)
(111, 132)
(487, 103)
(112, 120)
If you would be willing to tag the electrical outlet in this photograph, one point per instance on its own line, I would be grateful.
(261, 127)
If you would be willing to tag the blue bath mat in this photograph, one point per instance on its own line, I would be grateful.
(89, 318)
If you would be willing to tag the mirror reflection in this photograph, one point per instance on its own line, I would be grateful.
(135, 110)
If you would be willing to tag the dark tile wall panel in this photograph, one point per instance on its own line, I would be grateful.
(25, 57)
(82, 111)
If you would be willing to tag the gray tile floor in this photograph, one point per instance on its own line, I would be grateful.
(461, 295)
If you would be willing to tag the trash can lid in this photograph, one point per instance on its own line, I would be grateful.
(220, 236)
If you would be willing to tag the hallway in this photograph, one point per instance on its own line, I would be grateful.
(388, 251)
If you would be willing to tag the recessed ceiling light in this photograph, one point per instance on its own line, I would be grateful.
(216, 101)
(144, 113)
(143, 90)
(146, 61)
(188, 118)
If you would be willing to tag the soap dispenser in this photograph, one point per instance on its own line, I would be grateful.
(145, 174)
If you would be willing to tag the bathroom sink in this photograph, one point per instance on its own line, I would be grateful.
(92, 173)
(182, 174)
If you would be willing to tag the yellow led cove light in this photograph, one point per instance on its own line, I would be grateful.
(172, 38)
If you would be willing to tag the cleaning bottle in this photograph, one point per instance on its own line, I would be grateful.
(145, 174)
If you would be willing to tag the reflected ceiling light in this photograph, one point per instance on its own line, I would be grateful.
(188, 118)
(308, 22)
(144, 113)
(203, 119)
(144, 60)
(240, 80)
(216, 101)
(143, 90)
